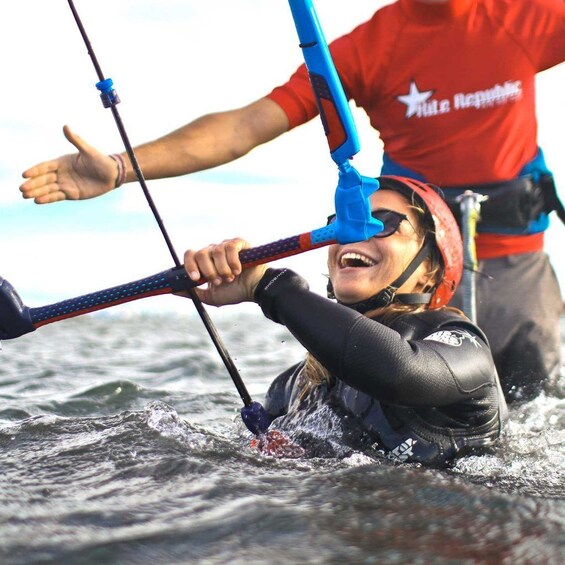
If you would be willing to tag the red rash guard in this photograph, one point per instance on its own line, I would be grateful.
(410, 67)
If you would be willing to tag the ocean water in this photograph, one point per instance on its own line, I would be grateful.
(121, 443)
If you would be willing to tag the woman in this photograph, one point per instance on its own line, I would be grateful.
(389, 365)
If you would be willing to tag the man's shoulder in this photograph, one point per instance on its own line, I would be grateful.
(522, 10)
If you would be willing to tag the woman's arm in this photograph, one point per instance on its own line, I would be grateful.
(363, 353)
(372, 357)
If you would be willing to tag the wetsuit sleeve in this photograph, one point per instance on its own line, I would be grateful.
(372, 357)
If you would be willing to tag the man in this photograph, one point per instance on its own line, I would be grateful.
(449, 85)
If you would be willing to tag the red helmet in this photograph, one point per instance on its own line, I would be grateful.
(447, 235)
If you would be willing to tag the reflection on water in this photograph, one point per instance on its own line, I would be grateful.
(120, 442)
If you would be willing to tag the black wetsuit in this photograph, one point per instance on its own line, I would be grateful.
(424, 389)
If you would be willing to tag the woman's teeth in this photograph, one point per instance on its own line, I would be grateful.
(355, 260)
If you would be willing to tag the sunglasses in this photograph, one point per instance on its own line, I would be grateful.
(390, 219)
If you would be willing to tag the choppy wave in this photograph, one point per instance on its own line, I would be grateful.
(120, 442)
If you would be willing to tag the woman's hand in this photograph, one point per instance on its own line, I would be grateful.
(78, 176)
(219, 264)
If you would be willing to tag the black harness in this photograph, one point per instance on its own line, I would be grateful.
(510, 204)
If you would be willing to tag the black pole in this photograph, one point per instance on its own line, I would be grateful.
(110, 99)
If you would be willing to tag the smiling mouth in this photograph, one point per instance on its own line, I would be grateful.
(355, 260)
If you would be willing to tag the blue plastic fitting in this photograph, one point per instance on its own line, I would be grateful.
(107, 93)
(353, 210)
(256, 419)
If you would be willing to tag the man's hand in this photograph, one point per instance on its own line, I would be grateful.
(76, 176)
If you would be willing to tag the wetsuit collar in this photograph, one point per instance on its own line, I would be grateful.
(434, 13)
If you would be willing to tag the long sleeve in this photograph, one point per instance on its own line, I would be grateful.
(445, 367)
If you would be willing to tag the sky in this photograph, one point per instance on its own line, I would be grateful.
(172, 61)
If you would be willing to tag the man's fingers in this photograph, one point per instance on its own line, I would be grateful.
(54, 196)
(41, 169)
(38, 181)
(76, 140)
(40, 186)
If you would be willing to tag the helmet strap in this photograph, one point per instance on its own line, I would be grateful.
(388, 294)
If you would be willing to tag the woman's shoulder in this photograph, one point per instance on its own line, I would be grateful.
(419, 325)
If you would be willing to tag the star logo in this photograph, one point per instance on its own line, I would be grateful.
(413, 99)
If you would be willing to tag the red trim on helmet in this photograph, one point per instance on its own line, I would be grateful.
(447, 237)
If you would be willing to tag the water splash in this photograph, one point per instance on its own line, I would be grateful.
(531, 455)
(165, 420)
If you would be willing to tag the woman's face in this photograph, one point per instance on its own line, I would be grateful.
(360, 270)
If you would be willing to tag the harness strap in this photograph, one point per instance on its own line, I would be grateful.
(552, 202)
(515, 206)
